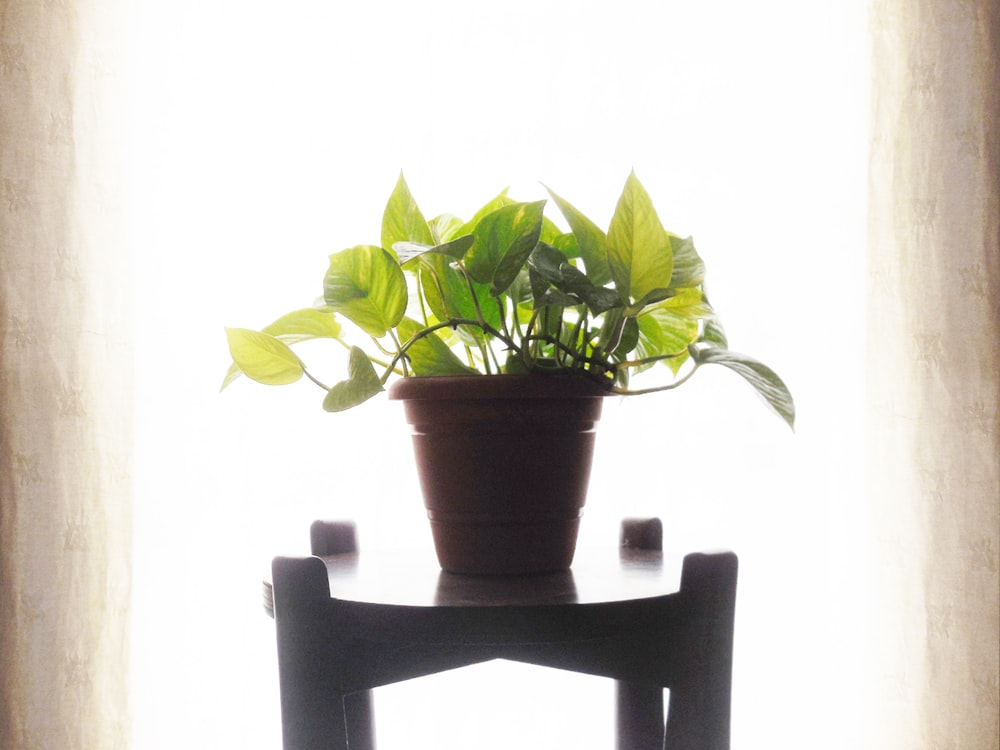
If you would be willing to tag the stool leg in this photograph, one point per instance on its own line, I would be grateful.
(332, 538)
(337, 538)
(700, 702)
(639, 716)
(697, 721)
(360, 713)
(313, 712)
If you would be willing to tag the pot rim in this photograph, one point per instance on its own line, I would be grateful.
(448, 387)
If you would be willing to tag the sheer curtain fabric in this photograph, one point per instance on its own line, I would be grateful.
(65, 392)
(934, 372)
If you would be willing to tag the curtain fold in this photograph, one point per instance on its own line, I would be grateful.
(65, 390)
(934, 370)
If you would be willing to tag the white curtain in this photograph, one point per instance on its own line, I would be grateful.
(65, 382)
(170, 168)
(934, 371)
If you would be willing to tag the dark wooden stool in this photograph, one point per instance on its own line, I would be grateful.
(626, 614)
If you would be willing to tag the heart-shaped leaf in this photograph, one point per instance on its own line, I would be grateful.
(263, 357)
(300, 325)
(362, 383)
(504, 240)
(367, 286)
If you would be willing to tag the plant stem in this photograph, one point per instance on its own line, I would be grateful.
(574, 338)
(516, 320)
(651, 360)
(381, 348)
(420, 294)
(317, 382)
(425, 332)
(578, 357)
(657, 389)
(526, 338)
(484, 350)
(399, 350)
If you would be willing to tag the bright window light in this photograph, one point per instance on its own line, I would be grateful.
(264, 136)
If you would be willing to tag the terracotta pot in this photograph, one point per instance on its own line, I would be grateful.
(504, 464)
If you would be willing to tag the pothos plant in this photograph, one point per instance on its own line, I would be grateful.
(509, 292)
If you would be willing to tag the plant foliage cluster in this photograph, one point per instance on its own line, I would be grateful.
(509, 292)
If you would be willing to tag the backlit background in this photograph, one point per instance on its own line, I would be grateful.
(265, 136)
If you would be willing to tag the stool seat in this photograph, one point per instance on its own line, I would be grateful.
(351, 621)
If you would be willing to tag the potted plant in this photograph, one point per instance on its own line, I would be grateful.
(501, 335)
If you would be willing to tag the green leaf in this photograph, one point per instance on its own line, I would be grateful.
(550, 231)
(689, 268)
(554, 267)
(297, 326)
(670, 326)
(263, 357)
(629, 339)
(610, 334)
(233, 373)
(303, 325)
(429, 355)
(362, 383)
(590, 238)
(504, 240)
(568, 245)
(450, 295)
(367, 286)
(550, 323)
(665, 333)
(445, 227)
(763, 379)
(554, 297)
(689, 302)
(455, 249)
(494, 204)
(520, 294)
(714, 333)
(639, 251)
(402, 220)
(514, 364)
